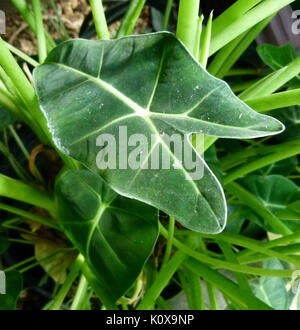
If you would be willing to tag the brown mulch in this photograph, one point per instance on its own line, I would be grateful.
(72, 13)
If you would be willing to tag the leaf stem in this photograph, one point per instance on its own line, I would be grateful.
(275, 101)
(272, 82)
(192, 287)
(242, 241)
(22, 55)
(205, 42)
(224, 264)
(24, 150)
(237, 158)
(212, 296)
(235, 11)
(62, 293)
(161, 281)
(231, 257)
(243, 170)
(187, 22)
(28, 16)
(198, 37)
(19, 264)
(7, 101)
(19, 141)
(225, 285)
(80, 293)
(167, 15)
(25, 90)
(295, 237)
(41, 40)
(53, 5)
(234, 28)
(258, 257)
(99, 19)
(30, 216)
(23, 175)
(40, 261)
(92, 280)
(250, 200)
(129, 21)
(17, 190)
(169, 241)
(228, 55)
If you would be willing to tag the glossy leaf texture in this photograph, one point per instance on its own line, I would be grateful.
(151, 85)
(116, 235)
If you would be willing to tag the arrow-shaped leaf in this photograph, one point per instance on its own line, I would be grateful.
(149, 84)
(116, 235)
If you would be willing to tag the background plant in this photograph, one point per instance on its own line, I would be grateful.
(102, 242)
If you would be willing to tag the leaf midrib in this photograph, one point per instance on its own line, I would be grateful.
(141, 112)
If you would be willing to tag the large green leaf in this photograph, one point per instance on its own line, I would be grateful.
(13, 287)
(272, 290)
(279, 194)
(152, 85)
(115, 234)
(278, 57)
(274, 191)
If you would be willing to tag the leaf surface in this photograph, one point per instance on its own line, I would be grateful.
(116, 235)
(272, 290)
(278, 57)
(151, 85)
(274, 191)
(279, 194)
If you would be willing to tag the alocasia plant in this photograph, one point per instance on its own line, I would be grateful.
(152, 85)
